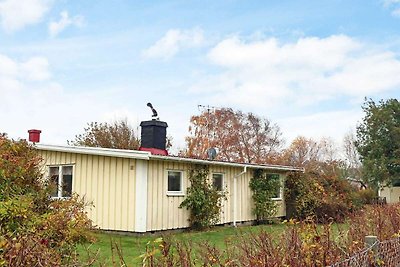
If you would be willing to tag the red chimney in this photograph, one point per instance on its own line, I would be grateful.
(34, 135)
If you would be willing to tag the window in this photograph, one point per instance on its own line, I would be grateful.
(174, 183)
(60, 178)
(218, 181)
(396, 183)
(276, 177)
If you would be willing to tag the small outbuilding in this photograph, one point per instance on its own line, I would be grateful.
(391, 194)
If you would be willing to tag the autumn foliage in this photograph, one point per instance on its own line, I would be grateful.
(19, 170)
(324, 197)
(118, 134)
(238, 136)
(323, 190)
(35, 230)
(309, 153)
(302, 243)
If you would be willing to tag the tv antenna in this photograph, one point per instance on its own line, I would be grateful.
(211, 151)
(206, 107)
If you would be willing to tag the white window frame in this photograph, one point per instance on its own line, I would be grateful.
(175, 193)
(280, 197)
(223, 180)
(59, 182)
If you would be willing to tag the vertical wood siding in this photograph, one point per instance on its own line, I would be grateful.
(163, 211)
(107, 182)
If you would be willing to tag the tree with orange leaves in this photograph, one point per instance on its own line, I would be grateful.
(309, 153)
(237, 136)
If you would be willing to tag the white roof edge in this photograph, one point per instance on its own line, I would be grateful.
(232, 164)
(145, 155)
(111, 152)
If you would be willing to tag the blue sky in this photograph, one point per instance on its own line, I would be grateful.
(306, 65)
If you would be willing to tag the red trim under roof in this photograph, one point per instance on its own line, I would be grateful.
(154, 151)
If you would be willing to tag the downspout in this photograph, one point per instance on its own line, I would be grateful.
(235, 194)
(379, 190)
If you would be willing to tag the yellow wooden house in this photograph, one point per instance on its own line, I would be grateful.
(141, 190)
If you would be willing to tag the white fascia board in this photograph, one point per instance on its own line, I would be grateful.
(231, 164)
(120, 153)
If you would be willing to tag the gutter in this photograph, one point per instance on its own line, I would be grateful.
(235, 194)
(225, 163)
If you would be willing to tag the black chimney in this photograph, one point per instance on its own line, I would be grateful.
(154, 137)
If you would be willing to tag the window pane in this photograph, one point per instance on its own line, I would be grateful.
(174, 181)
(67, 181)
(218, 181)
(396, 183)
(276, 179)
(53, 181)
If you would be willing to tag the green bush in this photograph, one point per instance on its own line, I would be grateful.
(319, 195)
(35, 230)
(365, 196)
(19, 169)
(302, 195)
(14, 214)
(264, 188)
(202, 200)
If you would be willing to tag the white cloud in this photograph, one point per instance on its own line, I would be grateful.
(55, 27)
(174, 41)
(394, 5)
(17, 91)
(390, 2)
(30, 98)
(308, 71)
(333, 124)
(35, 69)
(16, 77)
(396, 12)
(16, 14)
(8, 67)
(269, 53)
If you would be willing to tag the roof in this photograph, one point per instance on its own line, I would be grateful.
(100, 151)
(144, 155)
(227, 163)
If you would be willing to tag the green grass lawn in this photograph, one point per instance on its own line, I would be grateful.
(134, 246)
